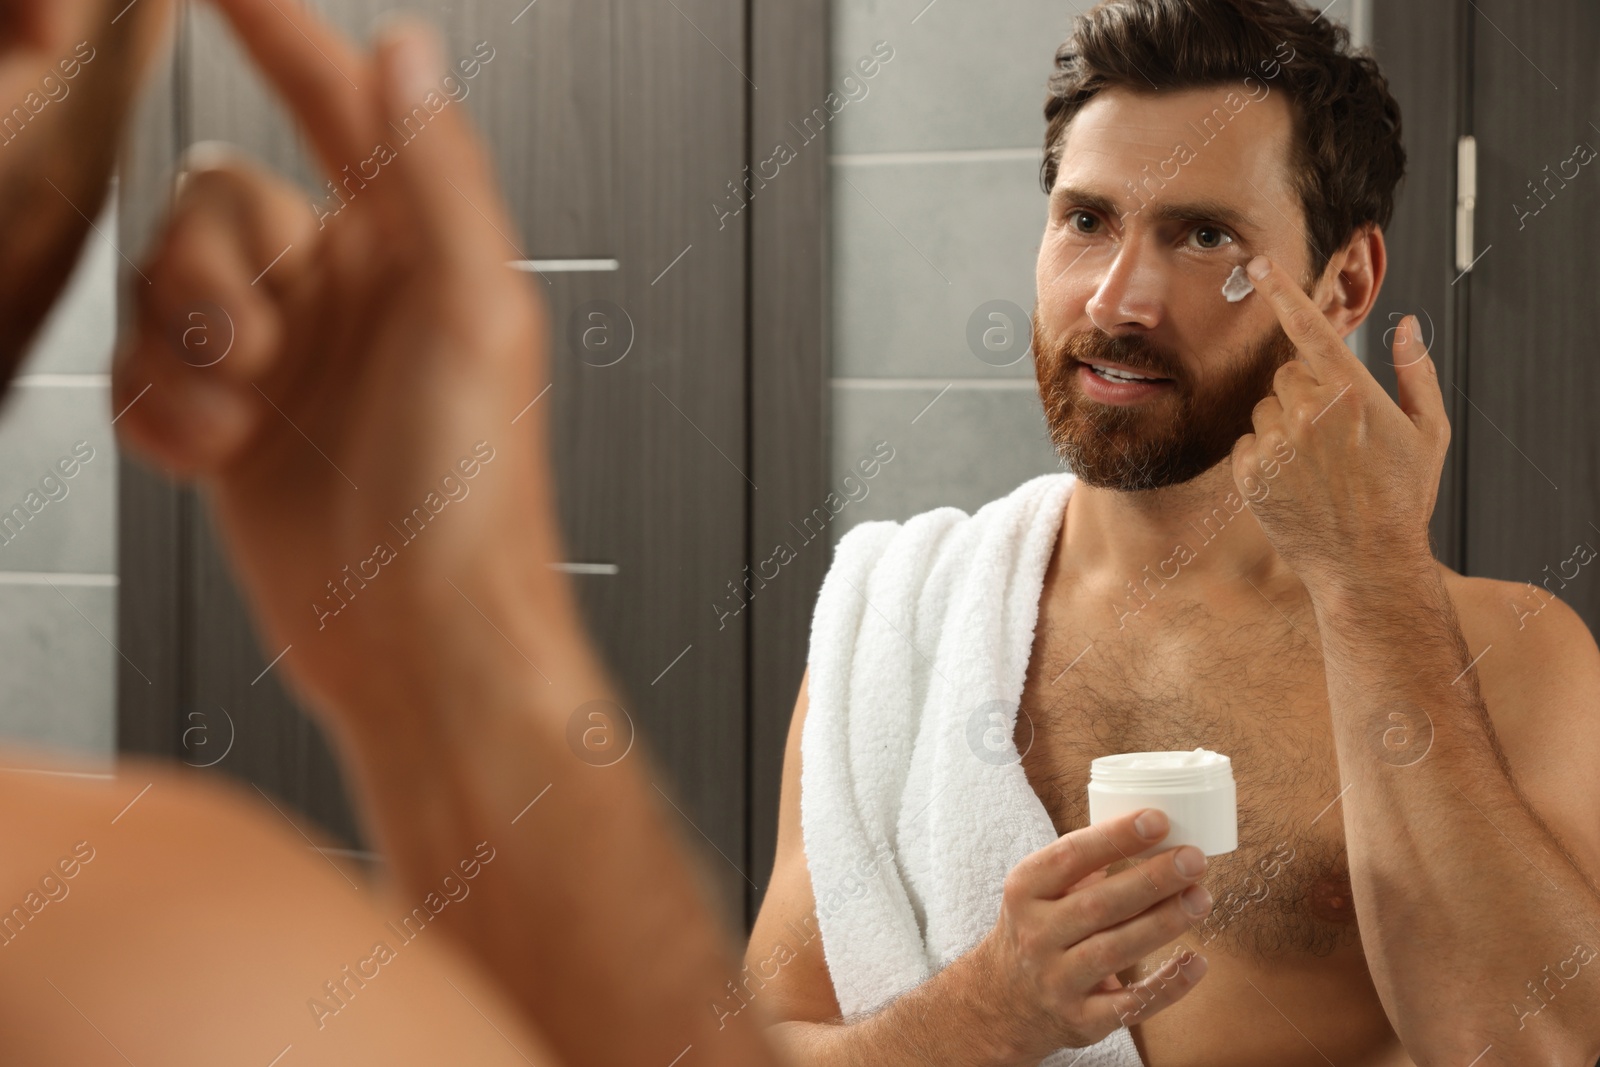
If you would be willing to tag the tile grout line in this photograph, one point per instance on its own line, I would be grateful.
(69, 578)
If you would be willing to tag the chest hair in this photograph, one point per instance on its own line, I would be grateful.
(1252, 689)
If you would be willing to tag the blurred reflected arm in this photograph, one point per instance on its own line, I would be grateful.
(384, 362)
(589, 912)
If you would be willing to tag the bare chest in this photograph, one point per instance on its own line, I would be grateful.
(1250, 688)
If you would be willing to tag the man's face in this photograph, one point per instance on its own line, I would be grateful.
(1157, 199)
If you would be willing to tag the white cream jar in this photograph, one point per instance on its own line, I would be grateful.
(1194, 789)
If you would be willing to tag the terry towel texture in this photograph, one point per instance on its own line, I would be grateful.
(913, 801)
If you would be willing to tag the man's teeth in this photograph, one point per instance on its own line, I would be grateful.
(1121, 376)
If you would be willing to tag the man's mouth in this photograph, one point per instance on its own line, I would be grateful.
(1114, 373)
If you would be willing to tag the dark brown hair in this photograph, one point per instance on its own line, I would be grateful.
(1346, 158)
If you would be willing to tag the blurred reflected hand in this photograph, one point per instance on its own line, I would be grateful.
(352, 390)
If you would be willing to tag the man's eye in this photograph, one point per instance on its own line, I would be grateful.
(1211, 237)
(1072, 216)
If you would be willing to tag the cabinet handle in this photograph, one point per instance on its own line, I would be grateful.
(584, 568)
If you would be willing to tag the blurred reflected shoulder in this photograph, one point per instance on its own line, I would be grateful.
(156, 916)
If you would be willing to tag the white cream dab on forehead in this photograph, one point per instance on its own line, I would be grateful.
(1238, 286)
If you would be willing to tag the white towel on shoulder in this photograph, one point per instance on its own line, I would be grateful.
(913, 801)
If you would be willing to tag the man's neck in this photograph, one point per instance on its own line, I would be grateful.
(1202, 533)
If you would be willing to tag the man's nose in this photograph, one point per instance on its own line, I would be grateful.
(1131, 292)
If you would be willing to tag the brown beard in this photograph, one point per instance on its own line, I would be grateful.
(1166, 441)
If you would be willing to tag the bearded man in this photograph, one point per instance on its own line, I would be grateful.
(1238, 560)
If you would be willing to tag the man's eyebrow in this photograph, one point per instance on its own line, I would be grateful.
(1202, 210)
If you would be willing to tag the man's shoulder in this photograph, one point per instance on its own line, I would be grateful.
(66, 796)
(140, 886)
(1538, 669)
(907, 575)
(1531, 622)
(1536, 660)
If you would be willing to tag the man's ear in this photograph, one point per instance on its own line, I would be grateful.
(1354, 274)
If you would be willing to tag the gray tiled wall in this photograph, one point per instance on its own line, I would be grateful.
(58, 583)
(936, 210)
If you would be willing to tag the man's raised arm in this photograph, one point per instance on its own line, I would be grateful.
(372, 430)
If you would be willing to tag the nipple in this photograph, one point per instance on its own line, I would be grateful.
(1331, 899)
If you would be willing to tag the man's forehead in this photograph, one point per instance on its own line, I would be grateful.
(1225, 145)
